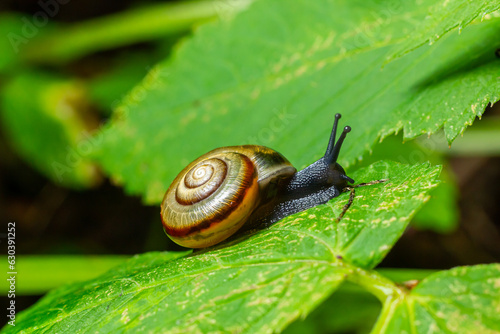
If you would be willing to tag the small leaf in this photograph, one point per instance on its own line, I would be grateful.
(257, 282)
(460, 300)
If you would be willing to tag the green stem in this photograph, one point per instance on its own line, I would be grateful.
(37, 274)
(136, 25)
(384, 289)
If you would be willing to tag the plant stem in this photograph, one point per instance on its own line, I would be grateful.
(41, 273)
(136, 25)
(384, 289)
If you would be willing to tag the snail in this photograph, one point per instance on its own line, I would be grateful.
(229, 187)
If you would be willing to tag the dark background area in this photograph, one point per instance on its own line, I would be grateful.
(51, 219)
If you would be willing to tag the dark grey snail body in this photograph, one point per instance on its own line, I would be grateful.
(266, 190)
(314, 185)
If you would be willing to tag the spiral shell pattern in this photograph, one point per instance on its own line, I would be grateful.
(201, 181)
(217, 193)
(210, 200)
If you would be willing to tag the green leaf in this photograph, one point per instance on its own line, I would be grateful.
(460, 300)
(257, 282)
(444, 16)
(280, 83)
(47, 121)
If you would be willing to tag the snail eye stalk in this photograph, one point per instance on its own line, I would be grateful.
(333, 150)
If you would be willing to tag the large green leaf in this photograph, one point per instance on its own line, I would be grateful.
(257, 282)
(280, 82)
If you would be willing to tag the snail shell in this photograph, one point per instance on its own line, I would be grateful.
(215, 195)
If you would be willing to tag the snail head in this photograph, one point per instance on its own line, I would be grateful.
(332, 154)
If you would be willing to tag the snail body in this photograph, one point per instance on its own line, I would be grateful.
(229, 187)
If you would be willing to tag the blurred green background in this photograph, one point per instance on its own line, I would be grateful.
(62, 74)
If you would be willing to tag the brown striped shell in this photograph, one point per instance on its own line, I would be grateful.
(214, 196)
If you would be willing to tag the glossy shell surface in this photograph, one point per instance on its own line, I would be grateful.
(216, 194)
